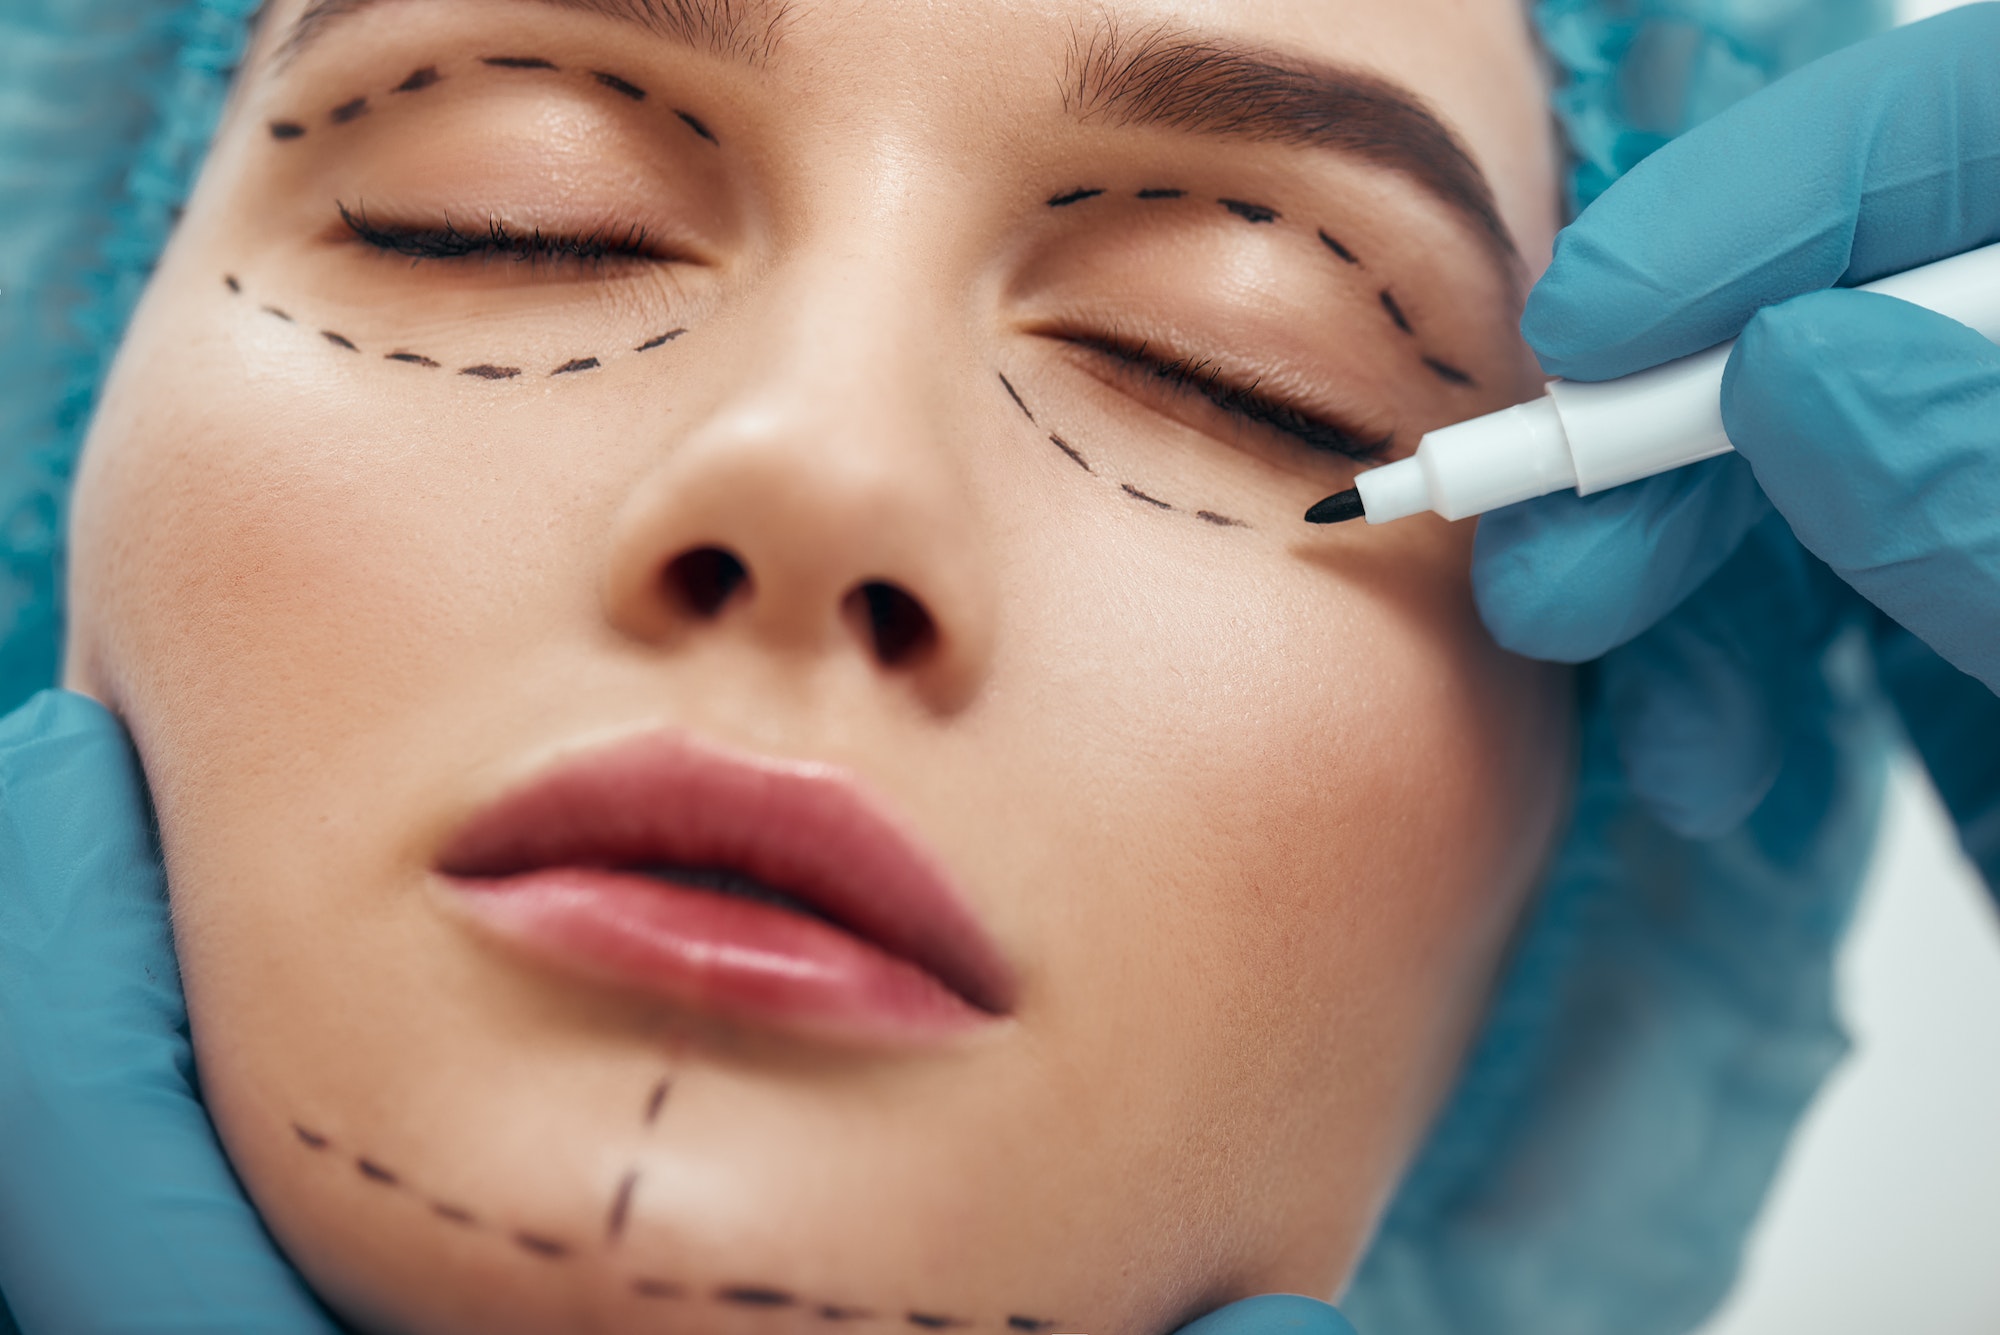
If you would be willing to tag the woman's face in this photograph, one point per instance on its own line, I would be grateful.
(746, 731)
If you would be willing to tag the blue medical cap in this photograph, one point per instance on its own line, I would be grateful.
(1667, 1012)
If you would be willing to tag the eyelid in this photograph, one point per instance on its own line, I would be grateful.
(1201, 378)
(446, 242)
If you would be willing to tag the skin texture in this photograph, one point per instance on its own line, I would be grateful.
(1251, 809)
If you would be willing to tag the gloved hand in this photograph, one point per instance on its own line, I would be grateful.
(1868, 431)
(118, 1212)
(1271, 1314)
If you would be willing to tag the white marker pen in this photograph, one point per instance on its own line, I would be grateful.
(1594, 436)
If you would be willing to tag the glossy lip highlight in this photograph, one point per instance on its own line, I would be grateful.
(760, 889)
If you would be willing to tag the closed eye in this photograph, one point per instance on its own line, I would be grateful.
(1202, 379)
(445, 240)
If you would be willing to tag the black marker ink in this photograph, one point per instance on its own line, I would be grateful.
(829, 1312)
(618, 85)
(659, 340)
(1074, 457)
(753, 1295)
(1163, 194)
(1028, 1323)
(1074, 197)
(338, 340)
(454, 1214)
(1248, 212)
(1138, 495)
(348, 111)
(657, 1288)
(1445, 371)
(931, 1321)
(694, 123)
(1347, 256)
(413, 358)
(229, 281)
(656, 1102)
(517, 62)
(418, 80)
(580, 364)
(273, 310)
(375, 1172)
(312, 1140)
(1396, 312)
(1013, 394)
(621, 1206)
(1220, 521)
(549, 1249)
(489, 372)
(282, 130)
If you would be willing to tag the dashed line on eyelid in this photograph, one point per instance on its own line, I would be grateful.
(579, 364)
(623, 87)
(1138, 495)
(621, 1207)
(350, 110)
(1346, 256)
(411, 358)
(1063, 201)
(1015, 395)
(1248, 212)
(695, 123)
(659, 340)
(755, 1295)
(486, 371)
(285, 130)
(1163, 193)
(1074, 456)
(418, 80)
(518, 62)
(338, 340)
(1390, 305)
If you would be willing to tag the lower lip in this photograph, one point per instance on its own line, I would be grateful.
(725, 956)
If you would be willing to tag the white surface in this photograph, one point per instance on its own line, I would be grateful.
(1887, 1214)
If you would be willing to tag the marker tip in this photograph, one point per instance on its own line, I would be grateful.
(1337, 509)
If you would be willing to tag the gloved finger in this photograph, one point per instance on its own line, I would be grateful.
(1272, 1314)
(1704, 703)
(1872, 160)
(1569, 578)
(1874, 427)
(118, 1211)
(1951, 720)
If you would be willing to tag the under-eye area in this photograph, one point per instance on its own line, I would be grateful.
(490, 370)
(1127, 489)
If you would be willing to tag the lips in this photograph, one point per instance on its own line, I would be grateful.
(766, 891)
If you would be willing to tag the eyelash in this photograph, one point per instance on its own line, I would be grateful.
(446, 241)
(1200, 378)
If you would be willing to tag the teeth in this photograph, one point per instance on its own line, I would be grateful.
(724, 881)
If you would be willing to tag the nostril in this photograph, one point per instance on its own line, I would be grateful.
(706, 578)
(898, 626)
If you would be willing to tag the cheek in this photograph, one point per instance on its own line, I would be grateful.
(1287, 813)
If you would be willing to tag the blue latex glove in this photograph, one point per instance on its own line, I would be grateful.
(1272, 1314)
(118, 1212)
(1871, 428)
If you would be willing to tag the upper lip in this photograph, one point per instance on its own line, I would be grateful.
(802, 829)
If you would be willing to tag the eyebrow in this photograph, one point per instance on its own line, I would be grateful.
(1203, 85)
(743, 30)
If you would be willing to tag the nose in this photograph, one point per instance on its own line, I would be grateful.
(819, 509)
